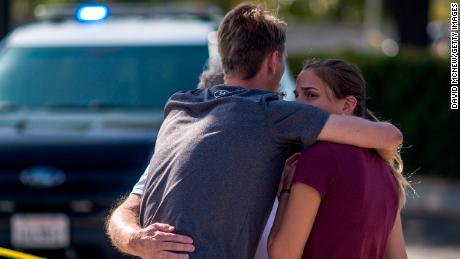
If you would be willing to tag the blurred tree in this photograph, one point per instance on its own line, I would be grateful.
(411, 18)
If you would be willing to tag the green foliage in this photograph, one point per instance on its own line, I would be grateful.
(413, 92)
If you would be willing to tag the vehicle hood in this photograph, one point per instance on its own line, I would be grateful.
(100, 154)
(78, 125)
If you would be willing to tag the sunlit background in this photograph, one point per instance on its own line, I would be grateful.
(401, 46)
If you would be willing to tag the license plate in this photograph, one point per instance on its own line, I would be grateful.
(40, 231)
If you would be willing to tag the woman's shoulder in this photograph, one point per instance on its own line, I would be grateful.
(332, 148)
(333, 156)
(321, 155)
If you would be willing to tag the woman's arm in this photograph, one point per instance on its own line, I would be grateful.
(293, 222)
(396, 248)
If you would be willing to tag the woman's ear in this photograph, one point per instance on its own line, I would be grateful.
(349, 105)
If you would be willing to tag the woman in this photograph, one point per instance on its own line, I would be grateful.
(344, 201)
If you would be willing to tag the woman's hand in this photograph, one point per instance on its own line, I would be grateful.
(288, 172)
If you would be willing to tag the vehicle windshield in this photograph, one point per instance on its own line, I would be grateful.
(81, 77)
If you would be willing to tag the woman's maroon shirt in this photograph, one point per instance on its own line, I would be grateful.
(359, 201)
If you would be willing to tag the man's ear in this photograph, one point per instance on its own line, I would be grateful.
(349, 105)
(273, 62)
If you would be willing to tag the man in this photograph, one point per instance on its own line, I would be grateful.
(221, 150)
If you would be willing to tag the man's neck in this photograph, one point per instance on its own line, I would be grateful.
(253, 83)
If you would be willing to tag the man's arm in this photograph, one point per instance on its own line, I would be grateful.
(154, 241)
(352, 130)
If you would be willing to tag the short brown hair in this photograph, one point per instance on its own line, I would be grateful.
(246, 36)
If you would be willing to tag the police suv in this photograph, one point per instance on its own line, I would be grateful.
(81, 98)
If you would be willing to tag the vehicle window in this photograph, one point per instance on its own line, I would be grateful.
(132, 77)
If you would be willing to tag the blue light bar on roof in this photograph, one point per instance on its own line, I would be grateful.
(92, 13)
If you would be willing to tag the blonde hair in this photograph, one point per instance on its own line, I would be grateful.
(213, 75)
(397, 168)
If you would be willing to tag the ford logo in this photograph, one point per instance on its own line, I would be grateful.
(42, 177)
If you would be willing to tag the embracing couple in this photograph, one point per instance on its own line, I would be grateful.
(226, 152)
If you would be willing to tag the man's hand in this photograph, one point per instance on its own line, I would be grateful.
(387, 155)
(157, 241)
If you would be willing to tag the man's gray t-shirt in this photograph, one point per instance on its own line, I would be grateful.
(217, 164)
